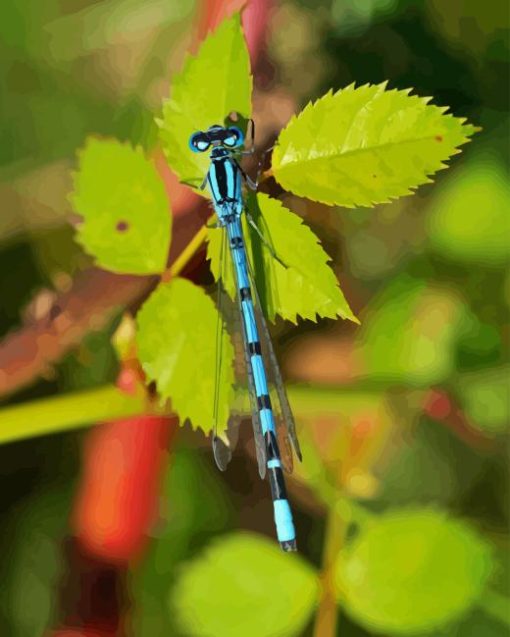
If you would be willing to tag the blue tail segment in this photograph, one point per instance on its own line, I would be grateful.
(282, 512)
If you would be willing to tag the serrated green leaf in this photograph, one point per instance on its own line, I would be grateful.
(410, 332)
(469, 218)
(412, 571)
(307, 287)
(362, 146)
(212, 84)
(126, 217)
(244, 585)
(176, 339)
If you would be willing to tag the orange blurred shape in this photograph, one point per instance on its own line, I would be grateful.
(117, 501)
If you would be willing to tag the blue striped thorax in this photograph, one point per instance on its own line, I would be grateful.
(224, 175)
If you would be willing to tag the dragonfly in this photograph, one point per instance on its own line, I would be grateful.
(274, 430)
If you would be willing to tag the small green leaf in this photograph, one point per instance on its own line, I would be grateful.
(469, 216)
(126, 216)
(176, 338)
(412, 571)
(411, 331)
(244, 585)
(485, 398)
(212, 84)
(307, 287)
(362, 146)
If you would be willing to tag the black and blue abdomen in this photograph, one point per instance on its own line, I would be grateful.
(283, 516)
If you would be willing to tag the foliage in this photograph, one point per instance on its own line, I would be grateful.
(353, 133)
(425, 352)
(203, 94)
(185, 516)
(413, 407)
(184, 342)
(295, 286)
(485, 398)
(366, 145)
(36, 566)
(126, 223)
(469, 220)
(215, 597)
(412, 571)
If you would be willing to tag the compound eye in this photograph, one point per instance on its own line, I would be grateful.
(199, 142)
(234, 137)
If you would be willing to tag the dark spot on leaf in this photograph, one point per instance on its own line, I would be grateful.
(122, 226)
(438, 138)
(374, 176)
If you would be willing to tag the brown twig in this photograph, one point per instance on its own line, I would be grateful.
(94, 299)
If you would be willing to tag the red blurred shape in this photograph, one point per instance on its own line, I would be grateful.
(437, 405)
(255, 17)
(117, 501)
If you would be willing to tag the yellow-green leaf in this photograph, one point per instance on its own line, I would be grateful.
(126, 214)
(306, 287)
(469, 218)
(412, 571)
(366, 145)
(411, 330)
(244, 585)
(212, 84)
(176, 340)
(485, 398)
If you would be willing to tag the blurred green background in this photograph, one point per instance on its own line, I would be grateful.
(425, 377)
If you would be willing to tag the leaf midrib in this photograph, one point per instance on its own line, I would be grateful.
(362, 150)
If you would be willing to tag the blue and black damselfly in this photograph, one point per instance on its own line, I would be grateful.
(273, 425)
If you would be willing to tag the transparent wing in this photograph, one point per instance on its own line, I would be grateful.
(285, 424)
(222, 445)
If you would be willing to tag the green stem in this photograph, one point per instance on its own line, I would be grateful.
(179, 264)
(71, 411)
(78, 409)
(327, 614)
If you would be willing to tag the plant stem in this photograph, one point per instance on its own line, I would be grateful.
(362, 449)
(327, 613)
(64, 413)
(79, 409)
(184, 257)
(267, 174)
